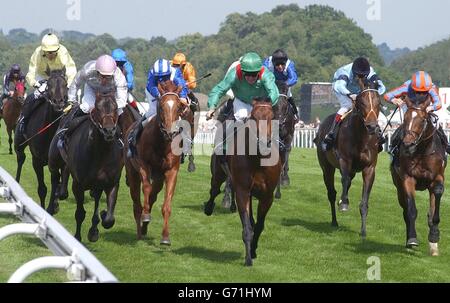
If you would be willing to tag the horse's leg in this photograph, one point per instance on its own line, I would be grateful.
(436, 191)
(80, 213)
(283, 156)
(191, 165)
(107, 216)
(278, 189)
(346, 180)
(53, 205)
(146, 190)
(171, 181)
(42, 189)
(263, 207)
(218, 176)
(62, 192)
(243, 204)
(10, 140)
(20, 154)
(368, 175)
(401, 195)
(233, 199)
(409, 186)
(226, 201)
(134, 181)
(93, 231)
(285, 181)
(328, 178)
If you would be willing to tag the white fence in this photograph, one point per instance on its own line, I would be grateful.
(303, 137)
(71, 255)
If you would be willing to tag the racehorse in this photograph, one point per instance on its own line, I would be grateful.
(11, 109)
(255, 174)
(193, 119)
(285, 116)
(48, 108)
(421, 166)
(157, 160)
(355, 150)
(93, 155)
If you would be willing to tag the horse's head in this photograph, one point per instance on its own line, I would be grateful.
(19, 92)
(104, 115)
(57, 89)
(368, 103)
(262, 113)
(415, 123)
(170, 108)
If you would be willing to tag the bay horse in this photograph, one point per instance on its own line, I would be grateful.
(157, 160)
(355, 150)
(421, 166)
(12, 107)
(285, 115)
(48, 108)
(93, 155)
(255, 174)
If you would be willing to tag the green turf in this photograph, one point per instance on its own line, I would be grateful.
(297, 245)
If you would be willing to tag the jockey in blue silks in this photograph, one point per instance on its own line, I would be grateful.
(284, 70)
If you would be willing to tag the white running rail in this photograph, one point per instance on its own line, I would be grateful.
(71, 256)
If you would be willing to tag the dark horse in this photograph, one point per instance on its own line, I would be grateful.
(356, 150)
(421, 166)
(193, 119)
(46, 110)
(254, 173)
(93, 156)
(285, 115)
(157, 160)
(11, 109)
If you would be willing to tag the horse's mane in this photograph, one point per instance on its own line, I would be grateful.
(168, 86)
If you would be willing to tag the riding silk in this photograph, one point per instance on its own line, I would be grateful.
(39, 64)
(288, 75)
(127, 68)
(189, 75)
(263, 87)
(406, 89)
(89, 77)
(344, 82)
(175, 76)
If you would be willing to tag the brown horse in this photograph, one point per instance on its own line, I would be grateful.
(355, 150)
(11, 109)
(421, 166)
(193, 119)
(255, 173)
(157, 160)
(285, 116)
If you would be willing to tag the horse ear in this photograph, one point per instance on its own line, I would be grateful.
(160, 88)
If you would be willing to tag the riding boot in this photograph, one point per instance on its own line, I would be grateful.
(225, 111)
(444, 139)
(194, 101)
(134, 136)
(381, 140)
(294, 108)
(394, 148)
(331, 135)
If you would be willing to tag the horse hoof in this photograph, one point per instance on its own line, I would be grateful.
(412, 243)
(277, 196)
(248, 262)
(334, 224)
(63, 195)
(93, 235)
(146, 218)
(233, 208)
(165, 241)
(209, 208)
(285, 182)
(434, 250)
(191, 167)
(107, 223)
(53, 210)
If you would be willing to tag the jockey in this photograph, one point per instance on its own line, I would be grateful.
(101, 75)
(14, 74)
(189, 75)
(417, 89)
(127, 69)
(284, 70)
(247, 80)
(50, 56)
(346, 88)
(161, 72)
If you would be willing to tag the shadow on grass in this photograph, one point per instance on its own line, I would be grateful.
(370, 247)
(119, 237)
(208, 254)
(218, 209)
(318, 227)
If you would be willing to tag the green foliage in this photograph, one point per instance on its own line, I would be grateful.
(434, 59)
